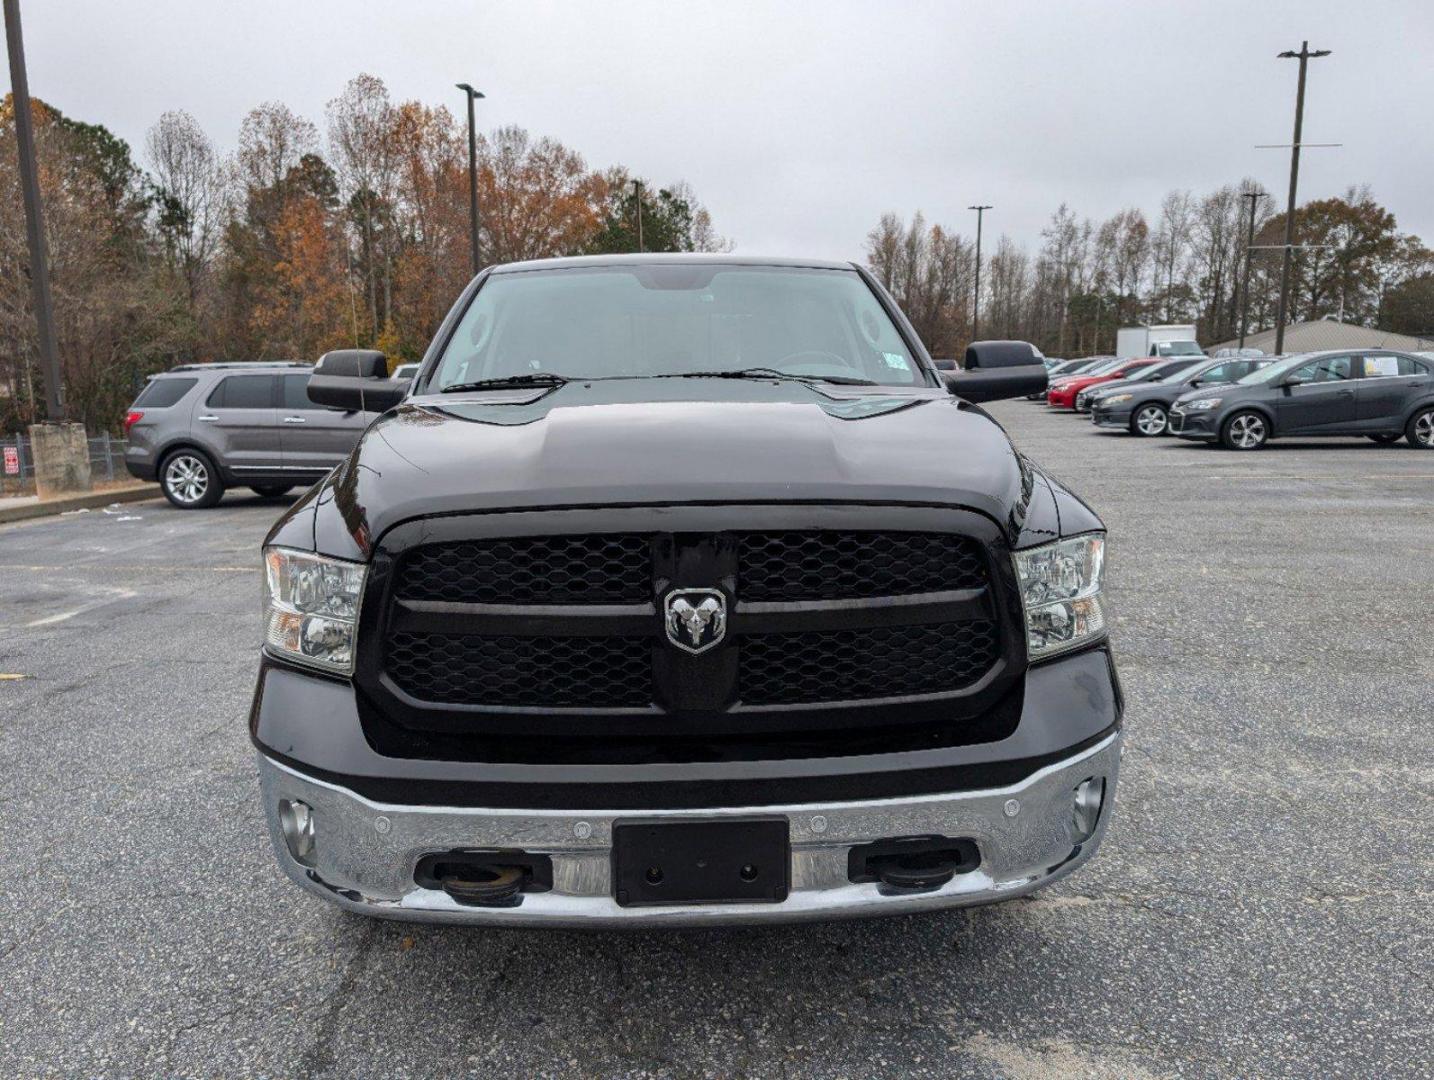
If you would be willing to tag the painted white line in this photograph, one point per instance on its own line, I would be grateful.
(65, 616)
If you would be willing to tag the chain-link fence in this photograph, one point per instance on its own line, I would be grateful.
(17, 462)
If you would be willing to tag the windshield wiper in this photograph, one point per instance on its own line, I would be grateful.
(534, 378)
(772, 373)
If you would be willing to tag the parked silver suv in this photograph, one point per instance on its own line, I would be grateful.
(201, 428)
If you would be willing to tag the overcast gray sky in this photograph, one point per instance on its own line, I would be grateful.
(799, 123)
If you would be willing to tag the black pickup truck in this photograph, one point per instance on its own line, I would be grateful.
(681, 590)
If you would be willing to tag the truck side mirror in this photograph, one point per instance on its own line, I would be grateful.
(997, 370)
(355, 379)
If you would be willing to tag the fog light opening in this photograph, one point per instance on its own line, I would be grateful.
(296, 821)
(1085, 808)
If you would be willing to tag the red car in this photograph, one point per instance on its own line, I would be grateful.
(1062, 393)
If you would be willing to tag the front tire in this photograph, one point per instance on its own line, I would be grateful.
(1383, 439)
(1246, 430)
(1149, 420)
(190, 481)
(1420, 429)
(271, 491)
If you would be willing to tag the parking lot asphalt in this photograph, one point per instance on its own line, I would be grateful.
(1263, 906)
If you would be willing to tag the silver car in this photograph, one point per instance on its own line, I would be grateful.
(202, 428)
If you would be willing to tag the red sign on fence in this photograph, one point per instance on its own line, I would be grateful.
(12, 461)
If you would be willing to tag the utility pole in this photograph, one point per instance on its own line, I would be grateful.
(473, 95)
(34, 217)
(637, 187)
(1254, 197)
(976, 305)
(1303, 56)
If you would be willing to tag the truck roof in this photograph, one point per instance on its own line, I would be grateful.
(668, 259)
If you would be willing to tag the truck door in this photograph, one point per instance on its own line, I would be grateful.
(315, 438)
(1389, 383)
(1322, 401)
(238, 422)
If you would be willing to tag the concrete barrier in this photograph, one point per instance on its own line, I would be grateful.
(62, 459)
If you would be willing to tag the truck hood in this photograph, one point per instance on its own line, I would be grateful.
(672, 441)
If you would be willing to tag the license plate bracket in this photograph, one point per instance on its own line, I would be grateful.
(707, 861)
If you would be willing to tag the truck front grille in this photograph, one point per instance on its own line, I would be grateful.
(817, 619)
(850, 565)
(533, 672)
(853, 665)
(531, 570)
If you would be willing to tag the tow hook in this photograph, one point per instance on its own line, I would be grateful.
(485, 878)
(912, 863)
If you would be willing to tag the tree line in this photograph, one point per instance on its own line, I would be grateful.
(1089, 278)
(305, 238)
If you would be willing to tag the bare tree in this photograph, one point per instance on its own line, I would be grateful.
(272, 139)
(361, 127)
(189, 182)
(1172, 241)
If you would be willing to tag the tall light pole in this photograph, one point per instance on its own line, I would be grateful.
(473, 95)
(1254, 197)
(34, 217)
(976, 305)
(637, 189)
(1303, 56)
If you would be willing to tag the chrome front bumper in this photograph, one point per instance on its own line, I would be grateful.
(364, 853)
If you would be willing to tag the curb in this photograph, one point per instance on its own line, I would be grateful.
(89, 501)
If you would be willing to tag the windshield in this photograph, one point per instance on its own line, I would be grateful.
(1273, 371)
(1160, 372)
(1103, 367)
(1178, 348)
(674, 319)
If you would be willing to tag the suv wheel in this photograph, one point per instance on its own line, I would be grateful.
(190, 480)
(271, 491)
(1148, 420)
(1245, 431)
(1420, 430)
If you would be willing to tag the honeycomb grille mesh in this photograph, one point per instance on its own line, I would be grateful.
(611, 569)
(534, 672)
(846, 565)
(848, 665)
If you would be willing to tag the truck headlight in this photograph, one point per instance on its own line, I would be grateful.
(311, 605)
(1060, 589)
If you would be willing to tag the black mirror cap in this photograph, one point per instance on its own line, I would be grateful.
(1001, 354)
(355, 380)
(1000, 384)
(353, 364)
(946, 365)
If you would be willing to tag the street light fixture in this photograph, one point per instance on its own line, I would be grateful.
(34, 218)
(976, 305)
(1254, 197)
(473, 95)
(1303, 56)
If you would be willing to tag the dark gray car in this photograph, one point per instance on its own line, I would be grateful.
(1142, 407)
(1373, 392)
(201, 428)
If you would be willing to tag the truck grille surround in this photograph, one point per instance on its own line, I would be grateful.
(516, 644)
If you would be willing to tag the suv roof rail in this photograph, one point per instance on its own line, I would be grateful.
(225, 364)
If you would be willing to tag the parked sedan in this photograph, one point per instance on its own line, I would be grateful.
(1374, 392)
(1066, 368)
(1153, 373)
(1143, 407)
(1062, 394)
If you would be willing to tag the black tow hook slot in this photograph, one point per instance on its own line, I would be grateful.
(485, 878)
(912, 863)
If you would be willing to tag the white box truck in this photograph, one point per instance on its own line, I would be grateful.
(1175, 339)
